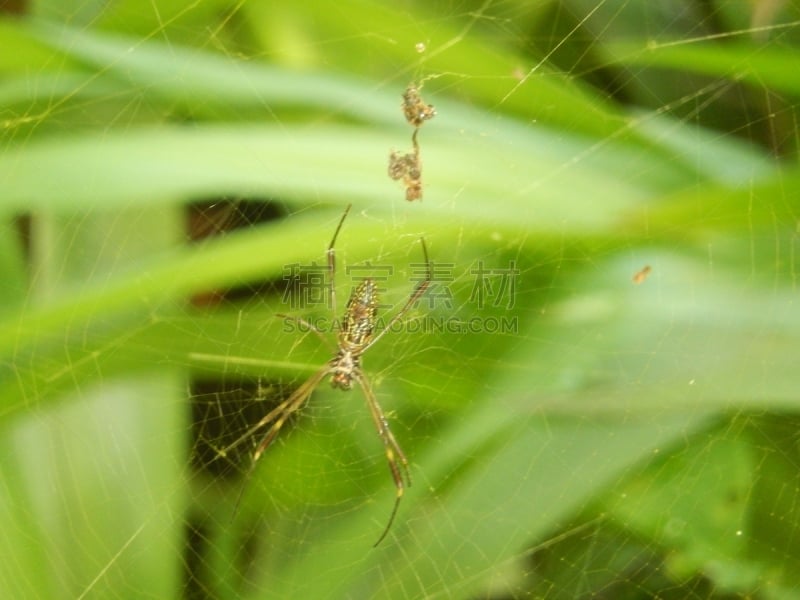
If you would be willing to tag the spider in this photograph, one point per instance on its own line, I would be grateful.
(356, 336)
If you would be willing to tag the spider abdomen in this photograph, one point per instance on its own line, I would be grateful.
(359, 318)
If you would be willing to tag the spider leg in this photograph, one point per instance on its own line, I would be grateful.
(398, 463)
(277, 416)
(331, 254)
(310, 325)
(283, 411)
(415, 295)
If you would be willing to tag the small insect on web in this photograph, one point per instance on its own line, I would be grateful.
(640, 276)
(356, 336)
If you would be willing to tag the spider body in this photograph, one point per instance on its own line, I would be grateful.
(360, 316)
(357, 326)
(342, 367)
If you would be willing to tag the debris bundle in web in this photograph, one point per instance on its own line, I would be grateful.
(408, 167)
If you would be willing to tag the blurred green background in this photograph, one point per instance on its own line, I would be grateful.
(625, 437)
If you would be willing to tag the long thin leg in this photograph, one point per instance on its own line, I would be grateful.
(332, 262)
(277, 416)
(415, 295)
(310, 325)
(398, 464)
(284, 410)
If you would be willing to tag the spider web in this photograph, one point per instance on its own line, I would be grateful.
(597, 397)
